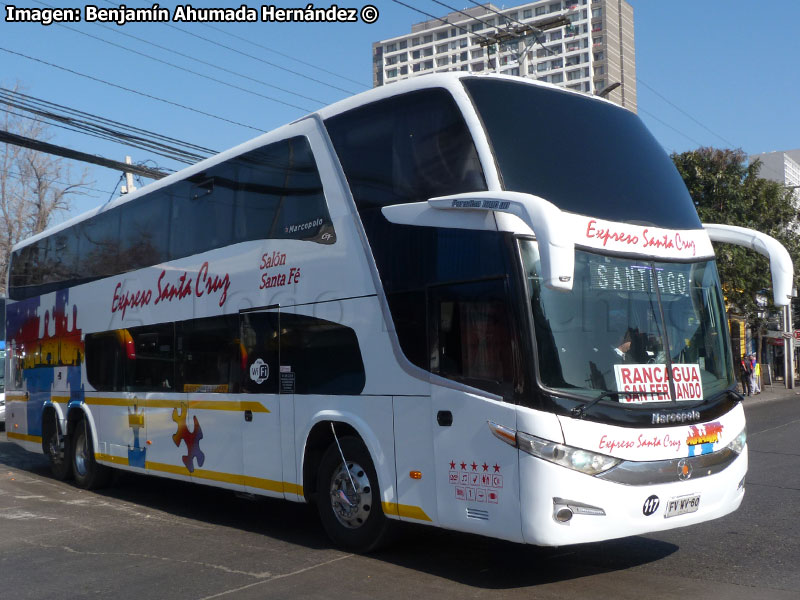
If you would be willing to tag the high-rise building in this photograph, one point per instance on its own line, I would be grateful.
(783, 167)
(584, 45)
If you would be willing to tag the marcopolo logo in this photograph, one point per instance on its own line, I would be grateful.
(650, 506)
(259, 371)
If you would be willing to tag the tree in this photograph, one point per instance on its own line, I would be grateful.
(34, 187)
(725, 189)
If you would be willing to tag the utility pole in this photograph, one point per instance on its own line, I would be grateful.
(128, 187)
(519, 32)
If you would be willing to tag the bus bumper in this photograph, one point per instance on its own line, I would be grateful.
(561, 506)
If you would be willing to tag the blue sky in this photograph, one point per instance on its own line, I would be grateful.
(711, 72)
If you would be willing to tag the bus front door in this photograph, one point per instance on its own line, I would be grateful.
(476, 474)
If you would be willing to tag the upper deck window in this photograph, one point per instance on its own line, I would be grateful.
(585, 156)
(272, 192)
(406, 149)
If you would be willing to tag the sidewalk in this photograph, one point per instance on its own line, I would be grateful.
(776, 391)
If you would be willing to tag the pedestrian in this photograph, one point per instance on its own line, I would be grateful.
(746, 370)
(756, 376)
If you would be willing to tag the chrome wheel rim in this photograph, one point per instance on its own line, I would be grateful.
(351, 507)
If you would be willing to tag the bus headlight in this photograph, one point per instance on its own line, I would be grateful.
(738, 443)
(576, 459)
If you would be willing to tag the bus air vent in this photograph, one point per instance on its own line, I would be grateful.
(477, 513)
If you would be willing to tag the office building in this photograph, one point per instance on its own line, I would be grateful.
(584, 45)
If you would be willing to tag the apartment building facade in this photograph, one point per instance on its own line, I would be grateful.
(584, 45)
(783, 167)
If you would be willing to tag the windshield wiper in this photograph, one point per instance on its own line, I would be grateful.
(580, 411)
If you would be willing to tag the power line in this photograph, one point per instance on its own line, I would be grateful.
(99, 127)
(111, 122)
(208, 64)
(293, 72)
(678, 108)
(203, 62)
(262, 60)
(40, 146)
(180, 68)
(527, 26)
(429, 15)
(652, 116)
(127, 89)
(486, 23)
(268, 49)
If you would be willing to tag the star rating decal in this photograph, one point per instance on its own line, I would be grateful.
(474, 465)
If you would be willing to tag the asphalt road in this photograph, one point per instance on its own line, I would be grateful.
(155, 538)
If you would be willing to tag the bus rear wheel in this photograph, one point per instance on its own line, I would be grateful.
(88, 474)
(349, 501)
(57, 448)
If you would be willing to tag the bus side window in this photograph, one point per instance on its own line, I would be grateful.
(209, 356)
(154, 363)
(279, 194)
(144, 232)
(324, 356)
(259, 331)
(202, 212)
(470, 336)
(106, 361)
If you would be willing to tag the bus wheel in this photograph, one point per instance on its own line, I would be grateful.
(352, 518)
(57, 449)
(88, 474)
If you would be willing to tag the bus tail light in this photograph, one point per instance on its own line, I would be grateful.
(577, 459)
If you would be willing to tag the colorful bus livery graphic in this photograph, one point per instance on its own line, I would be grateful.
(46, 352)
(45, 337)
(703, 437)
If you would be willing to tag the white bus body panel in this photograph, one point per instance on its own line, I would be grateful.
(414, 427)
(477, 475)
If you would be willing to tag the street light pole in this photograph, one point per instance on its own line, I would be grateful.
(788, 346)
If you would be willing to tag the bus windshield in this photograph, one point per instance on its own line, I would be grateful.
(631, 325)
(584, 155)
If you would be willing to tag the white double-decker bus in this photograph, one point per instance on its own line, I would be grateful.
(480, 303)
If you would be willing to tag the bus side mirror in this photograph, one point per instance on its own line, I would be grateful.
(544, 219)
(780, 262)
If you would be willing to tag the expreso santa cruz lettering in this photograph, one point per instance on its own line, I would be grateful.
(389, 309)
(168, 289)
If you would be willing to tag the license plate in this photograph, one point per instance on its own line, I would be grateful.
(682, 505)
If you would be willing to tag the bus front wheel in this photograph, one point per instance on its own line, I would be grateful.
(349, 501)
(89, 475)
